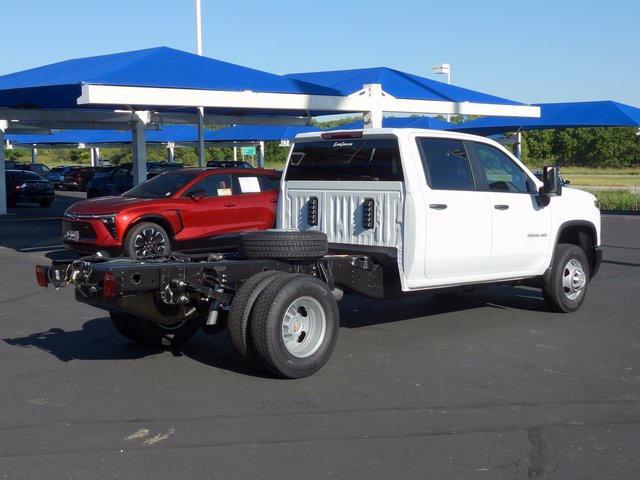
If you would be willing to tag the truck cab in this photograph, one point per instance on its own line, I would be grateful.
(452, 209)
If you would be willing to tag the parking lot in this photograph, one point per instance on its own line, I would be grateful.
(484, 385)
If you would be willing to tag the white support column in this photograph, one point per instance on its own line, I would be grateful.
(34, 154)
(3, 187)
(95, 156)
(518, 146)
(260, 154)
(171, 152)
(202, 154)
(373, 117)
(235, 154)
(139, 151)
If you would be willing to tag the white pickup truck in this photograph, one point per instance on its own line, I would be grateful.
(381, 213)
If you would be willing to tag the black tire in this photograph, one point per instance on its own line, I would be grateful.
(167, 337)
(267, 325)
(241, 307)
(124, 326)
(557, 295)
(45, 203)
(148, 232)
(283, 244)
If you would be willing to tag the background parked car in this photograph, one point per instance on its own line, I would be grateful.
(187, 209)
(78, 178)
(228, 164)
(117, 180)
(56, 175)
(38, 168)
(28, 187)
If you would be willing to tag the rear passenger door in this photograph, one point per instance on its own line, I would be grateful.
(458, 223)
(520, 227)
(256, 199)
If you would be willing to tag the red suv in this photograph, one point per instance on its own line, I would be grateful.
(189, 209)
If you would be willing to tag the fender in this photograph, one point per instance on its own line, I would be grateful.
(170, 220)
(593, 252)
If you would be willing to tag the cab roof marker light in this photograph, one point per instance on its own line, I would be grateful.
(341, 135)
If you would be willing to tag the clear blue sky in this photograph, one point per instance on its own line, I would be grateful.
(538, 50)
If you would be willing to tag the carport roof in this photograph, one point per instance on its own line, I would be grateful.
(254, 133)
(398, 84)
(605, 113)
(60, 84)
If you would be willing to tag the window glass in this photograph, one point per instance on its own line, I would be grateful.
(347, 159)
(213, 186)
(500, 172)
(162, 186)
(269, 183)
(446, 164)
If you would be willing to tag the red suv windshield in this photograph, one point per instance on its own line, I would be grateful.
(164, 185)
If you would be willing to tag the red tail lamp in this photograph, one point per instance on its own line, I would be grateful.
(42, 275)
(109, 285)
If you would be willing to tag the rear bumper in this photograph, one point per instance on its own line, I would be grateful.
(597, 260)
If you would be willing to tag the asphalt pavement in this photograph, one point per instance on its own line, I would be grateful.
(485, 385)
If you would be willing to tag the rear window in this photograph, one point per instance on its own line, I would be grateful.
(25, 176)
(350, 159)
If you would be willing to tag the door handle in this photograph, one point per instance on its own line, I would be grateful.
(229, 204)
(501, 207)
(438, 206)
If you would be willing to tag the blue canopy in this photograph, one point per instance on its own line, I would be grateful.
(59, 85)
(402, 122)
(397, 83)
(256, 133)
(169, 133)
(559, 115)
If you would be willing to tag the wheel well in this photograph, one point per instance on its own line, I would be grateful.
(583, 235)
(159, 220)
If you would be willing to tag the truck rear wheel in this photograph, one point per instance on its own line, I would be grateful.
(294, 325)
(242, 305)
(284, 244)
(565, 286)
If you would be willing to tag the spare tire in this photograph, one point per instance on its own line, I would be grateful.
(283, 244)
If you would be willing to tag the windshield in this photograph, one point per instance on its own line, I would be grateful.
(350, 159)
(164, 185)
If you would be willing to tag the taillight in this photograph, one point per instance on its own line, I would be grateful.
(109, 285)
(341, 135)
(42, 275)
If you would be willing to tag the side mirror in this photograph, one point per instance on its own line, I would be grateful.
(552, 184)
(197, 195)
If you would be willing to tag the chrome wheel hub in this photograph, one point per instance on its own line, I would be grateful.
(573, 279)
(304, 327)
(149, 242)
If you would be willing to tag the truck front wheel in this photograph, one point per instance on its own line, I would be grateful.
(565, 285)
(294, 325)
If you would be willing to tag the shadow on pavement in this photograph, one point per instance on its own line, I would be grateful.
(98, 339)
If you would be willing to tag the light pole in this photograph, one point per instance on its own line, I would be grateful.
(444, 69)
(201, 152)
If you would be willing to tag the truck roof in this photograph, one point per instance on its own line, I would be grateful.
(398, 132)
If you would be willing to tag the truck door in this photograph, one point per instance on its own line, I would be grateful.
(458, 217)
(520, 231)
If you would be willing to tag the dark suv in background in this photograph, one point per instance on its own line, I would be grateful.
(119, 179)
(27, 187)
